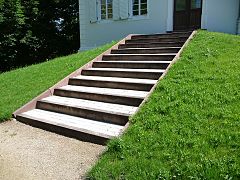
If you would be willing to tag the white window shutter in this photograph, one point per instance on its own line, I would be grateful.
(124, 9)
(116, 10)
(93, 10)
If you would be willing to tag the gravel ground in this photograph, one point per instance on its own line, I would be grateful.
(31, 153)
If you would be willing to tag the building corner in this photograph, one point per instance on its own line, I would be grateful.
(83, 15)
(238, 20)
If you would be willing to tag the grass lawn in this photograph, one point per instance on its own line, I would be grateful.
(190, 127)
(19, 86)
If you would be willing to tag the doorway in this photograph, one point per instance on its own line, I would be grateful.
(187, 14)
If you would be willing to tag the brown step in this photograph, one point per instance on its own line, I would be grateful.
(113, 82)
(155, 40)
(152, 45)
(71, 126)
(116, 96)
(166, 35)
(98, 111)
(132, 64)
(139, 57)
(124, 73)
(146, 50)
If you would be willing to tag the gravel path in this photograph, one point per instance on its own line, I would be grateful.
(31, 153)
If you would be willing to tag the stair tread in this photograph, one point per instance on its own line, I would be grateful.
(156, 36)
(116, 79)
(107, 91)
(161, 54)
(97, 128)
(134, 62)
(148, 48)
(167, 42)
(92, 105)
(160, 34)
(128, 70)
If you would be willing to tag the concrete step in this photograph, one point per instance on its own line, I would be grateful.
(125, 73)
(155, 40)
(132, 64)
(71, 126)
(139, 57)
(166, 35)
(113, 82)
(99, 111)
(151, 45)
(163, 50)
(116, 96)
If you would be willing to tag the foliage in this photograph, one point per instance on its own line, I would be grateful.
(35, 30)
(189, 128)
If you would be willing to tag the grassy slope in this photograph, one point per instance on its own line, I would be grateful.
(190, 127)
(19, 86)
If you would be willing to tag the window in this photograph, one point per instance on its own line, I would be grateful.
(181, 5)
(139, 7)
(106, 9)
(196, 4)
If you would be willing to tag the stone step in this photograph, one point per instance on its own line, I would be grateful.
(132, 64)
(71, 126)
(99, 111)
(139, 57)
(155, 40)
(166, 35)
(146, 50)
(113, 82)
(151, 45)
(125, 73)
(116, 96)
(96, 105)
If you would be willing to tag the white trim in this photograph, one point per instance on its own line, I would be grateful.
(170, 15)
(136, 16)
(204, 15)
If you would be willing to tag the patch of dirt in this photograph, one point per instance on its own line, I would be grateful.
(32, 153)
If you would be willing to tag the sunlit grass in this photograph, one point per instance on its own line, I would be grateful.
(190, 127)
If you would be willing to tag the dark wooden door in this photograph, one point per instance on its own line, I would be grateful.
(187, 14)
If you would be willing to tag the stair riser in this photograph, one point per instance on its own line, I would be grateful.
(131, 65)
(99, 97)
(138, 58)
(116, 85)
(160, 36)
(64, 131)
(139, 75)
(84, 113)
(145, 51)
(149, 45)
(154, 40)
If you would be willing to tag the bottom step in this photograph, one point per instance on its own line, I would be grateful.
(79, 128)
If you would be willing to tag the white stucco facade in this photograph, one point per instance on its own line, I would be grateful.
(217, 15)
(220, 15)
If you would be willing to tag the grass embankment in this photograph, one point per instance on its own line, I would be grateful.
(19, 86)
(190, 127)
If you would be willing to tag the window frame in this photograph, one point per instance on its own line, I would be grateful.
(99, 11)
(139, 10)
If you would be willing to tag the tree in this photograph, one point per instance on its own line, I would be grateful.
(35, 30)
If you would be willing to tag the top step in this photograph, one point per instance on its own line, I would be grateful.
(166, 35)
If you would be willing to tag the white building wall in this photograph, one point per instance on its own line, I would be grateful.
(217, 15)
(220, 15)
(95, 34)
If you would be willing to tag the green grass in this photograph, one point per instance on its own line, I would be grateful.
(19, 86)
(190, 127)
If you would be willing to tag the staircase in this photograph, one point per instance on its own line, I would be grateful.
(94, 103)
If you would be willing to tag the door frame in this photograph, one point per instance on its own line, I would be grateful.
(189, 11)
